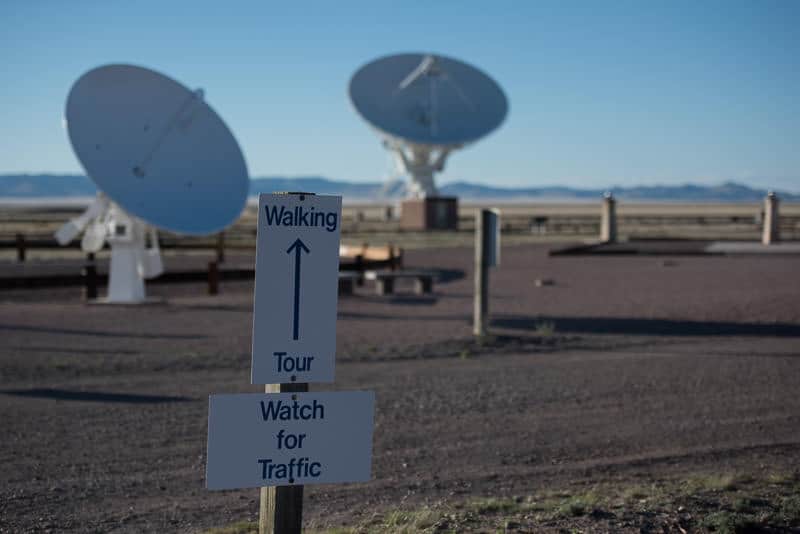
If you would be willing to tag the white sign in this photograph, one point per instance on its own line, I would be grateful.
(297, 280)
(280, 439)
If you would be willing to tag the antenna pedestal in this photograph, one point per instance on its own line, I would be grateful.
(125, 284)
(131, 262)
(429, 213)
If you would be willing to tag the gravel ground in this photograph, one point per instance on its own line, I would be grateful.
(609, 370)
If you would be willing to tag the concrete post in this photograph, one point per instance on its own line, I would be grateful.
(771, 233)
(608, 221)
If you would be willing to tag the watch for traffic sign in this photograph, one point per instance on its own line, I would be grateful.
(281, 439)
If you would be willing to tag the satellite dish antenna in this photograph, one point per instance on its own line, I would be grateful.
(425, 106)
(161, 158)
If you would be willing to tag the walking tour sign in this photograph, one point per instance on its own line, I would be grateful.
(297, 277)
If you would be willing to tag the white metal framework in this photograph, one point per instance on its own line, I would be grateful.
(132, 260)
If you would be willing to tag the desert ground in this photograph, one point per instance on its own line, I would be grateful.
(613, 394)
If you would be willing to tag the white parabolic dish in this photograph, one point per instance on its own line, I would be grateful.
(157, 149)
(428, 100)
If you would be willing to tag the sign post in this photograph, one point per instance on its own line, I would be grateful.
(281, 507)
(287, 437)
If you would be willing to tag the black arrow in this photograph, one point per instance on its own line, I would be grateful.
(298, 246)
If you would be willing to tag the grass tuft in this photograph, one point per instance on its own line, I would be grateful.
(241, 527)
(725, 522)
(410, 521)
(715, 482)
(789, 510)
(544, 329)
(495, 506)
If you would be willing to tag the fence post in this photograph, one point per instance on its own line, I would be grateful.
(89, 278)
(213, 278)
(359, 266)
(221, 247)
(20, 247)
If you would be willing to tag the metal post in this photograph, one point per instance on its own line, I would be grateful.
(281, 507)
(608, 222)
(482, 238)
(771, 232)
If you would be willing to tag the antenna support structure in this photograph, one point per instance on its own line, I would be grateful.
(419, 163)
(133, 260)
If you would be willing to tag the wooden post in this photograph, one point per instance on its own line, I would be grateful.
(771, 230)
(20, 247)
(482, 244)
(608, 222)
(90, 278)
(213, 278)
(359, 266)
(392, 258)
(221, 247)
(281, 510)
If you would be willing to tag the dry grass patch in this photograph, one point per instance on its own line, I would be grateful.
(717, 502)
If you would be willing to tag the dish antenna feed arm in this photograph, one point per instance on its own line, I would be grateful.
(132, 260)
(420, 163)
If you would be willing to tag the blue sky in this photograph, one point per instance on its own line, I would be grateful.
(601, 93)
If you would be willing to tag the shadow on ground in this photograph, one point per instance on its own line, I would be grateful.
(654, 327)
(445, 276)
(93, 396)
(77, 350)
(78, 332)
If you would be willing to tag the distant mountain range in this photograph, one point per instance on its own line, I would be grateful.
(49, 185)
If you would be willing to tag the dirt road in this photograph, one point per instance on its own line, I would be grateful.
(613, 369)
